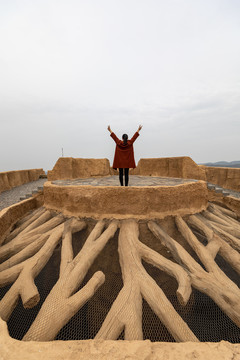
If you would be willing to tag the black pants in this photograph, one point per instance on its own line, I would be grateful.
(126, 172)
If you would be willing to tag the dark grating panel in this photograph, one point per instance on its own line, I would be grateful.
(202, 315)
(207, 321)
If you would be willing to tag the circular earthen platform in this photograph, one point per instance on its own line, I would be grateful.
(145, 197)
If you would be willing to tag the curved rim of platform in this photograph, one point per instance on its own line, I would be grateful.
(134, 181)
(123, 202)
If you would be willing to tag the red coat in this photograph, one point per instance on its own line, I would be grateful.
(124, 154)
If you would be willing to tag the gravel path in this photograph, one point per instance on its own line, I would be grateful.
(233, 193)
(12, 196)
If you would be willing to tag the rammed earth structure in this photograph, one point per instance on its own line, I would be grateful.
(169, 227)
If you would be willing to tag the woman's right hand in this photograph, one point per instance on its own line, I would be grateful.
(109, 129)
(139, 128)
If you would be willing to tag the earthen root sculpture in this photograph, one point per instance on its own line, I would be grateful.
(126, 312)
(28, 248)
(31, 248)
(213, 281)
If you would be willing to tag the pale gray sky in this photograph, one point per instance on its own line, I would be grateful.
(68, 68)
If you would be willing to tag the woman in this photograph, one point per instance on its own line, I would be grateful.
(124, 154)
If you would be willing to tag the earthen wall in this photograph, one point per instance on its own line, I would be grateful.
(10, 179)
(179, 167)
(228, 178)
(70, 168)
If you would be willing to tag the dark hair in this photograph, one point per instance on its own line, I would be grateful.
(125, 138)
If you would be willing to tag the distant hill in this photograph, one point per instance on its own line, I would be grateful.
(231, 164)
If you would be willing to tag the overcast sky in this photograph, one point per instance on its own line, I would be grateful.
(68, 68)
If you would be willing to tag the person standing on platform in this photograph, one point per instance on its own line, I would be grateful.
(124, 154)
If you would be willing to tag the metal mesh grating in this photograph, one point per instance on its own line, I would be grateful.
(207, 321)
(202, 315)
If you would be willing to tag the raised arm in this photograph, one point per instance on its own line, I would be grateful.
(115, 138)
(136, 135)
(139, 128)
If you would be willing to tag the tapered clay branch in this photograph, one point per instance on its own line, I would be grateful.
(229, 238)
(152, 257)
(66, 309)
(30, 215)
(212, 217)
(225, 211)
(178, 252)
(20, 242)
(199, 249)
(215, 243)
(40, 220)
(24, 285)
(83, 295)
(223, 221)
(93, 245)
(213, 283)
(62, 302)
(219, 211)
(24, 224)
(67, 250)
(229, 229)
(213, 248)
(126, 311)
(24, 254)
